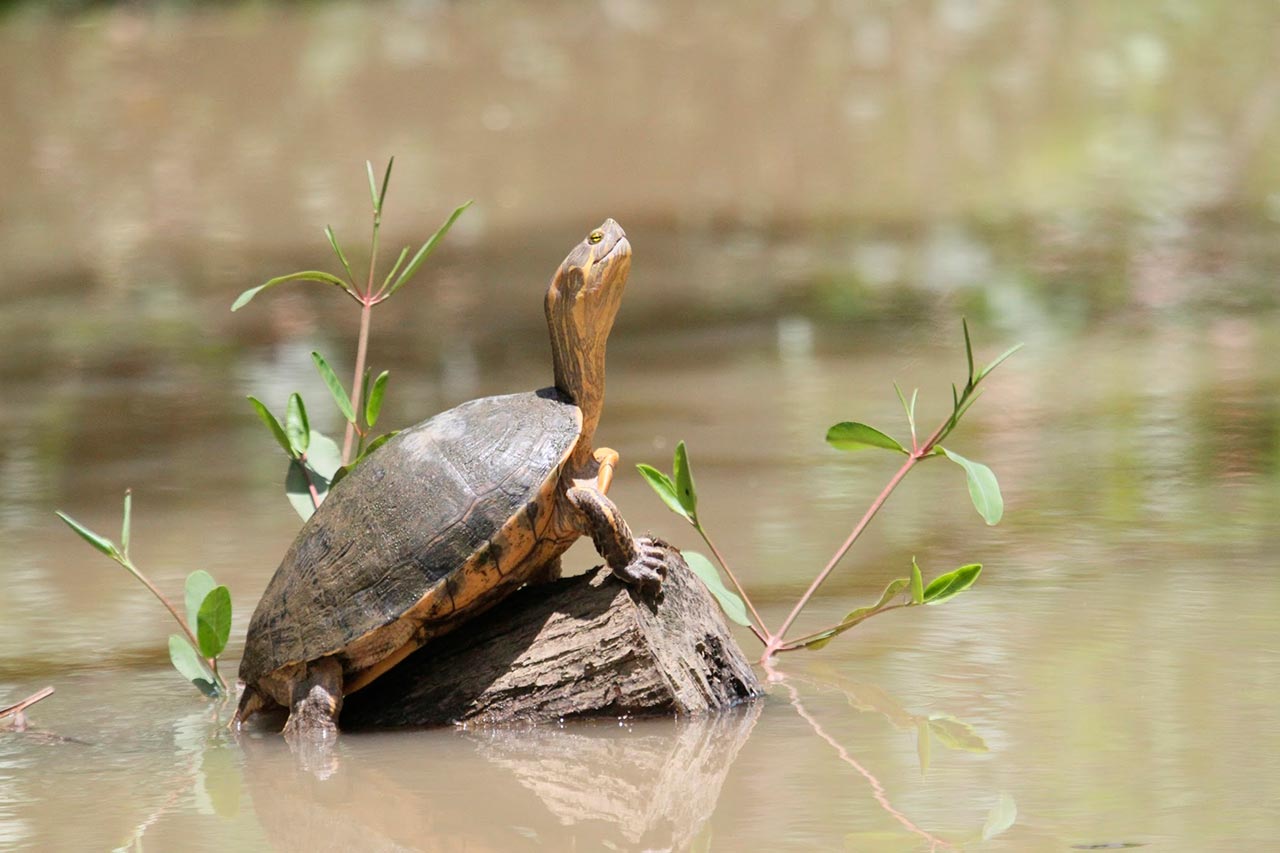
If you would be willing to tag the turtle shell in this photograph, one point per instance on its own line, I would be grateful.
(405, 520)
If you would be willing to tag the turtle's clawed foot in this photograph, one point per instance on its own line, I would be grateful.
(649, 569)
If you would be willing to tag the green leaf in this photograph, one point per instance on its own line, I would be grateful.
(856, 617)
(386, 282)
(197, 588)
(213, 624)
(427, 248)
(373, 405)
(373, 185)
(1002, 816)
(187, 662)
(853, 617)
(683, 476)
(909, 408)
(282, 438)
(1000, 359)
(335, 387)
(956, 734)
(376, 443)
(333, 241)
(951, 584)
(968, 348)
(320, 466)
(342, 472)
(297, 488)
(307, 275)
(666, 489)
(729, 601)
(984, 490)
(386, 182)
(917, 583)
(127, 522)
(296, 426)
(324, 457)
(102, 543)
(820, 639)
(849, 435)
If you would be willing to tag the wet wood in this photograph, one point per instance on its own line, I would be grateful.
(585, 646)
(18, 711)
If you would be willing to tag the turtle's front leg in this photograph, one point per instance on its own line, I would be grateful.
(639, 562)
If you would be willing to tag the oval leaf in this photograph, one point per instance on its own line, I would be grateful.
(198, 586)
(983, 487)
(849, 435)
(281, 437)
(335, 387)
(297, 487)
(373, 405)
(296, 426)
(102, 543)
(683, 477)
(710, 576)
(951, 584)
(187, 662)
(1002, 816)
(666, 490)
(324, 456)
(213, 624)
(917, 583)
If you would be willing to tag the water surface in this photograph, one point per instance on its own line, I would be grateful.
(1098, 184)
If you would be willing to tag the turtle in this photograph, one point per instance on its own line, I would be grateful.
(450, 516)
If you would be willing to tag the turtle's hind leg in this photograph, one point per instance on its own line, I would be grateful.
(316, 701)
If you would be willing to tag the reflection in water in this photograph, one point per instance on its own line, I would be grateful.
(591, 785)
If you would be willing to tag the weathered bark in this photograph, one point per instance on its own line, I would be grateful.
(577, 647)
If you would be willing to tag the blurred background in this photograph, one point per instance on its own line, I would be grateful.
(816, 192)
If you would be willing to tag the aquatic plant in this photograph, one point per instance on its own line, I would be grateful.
(194, 653)
(677, 491)
(315, 462)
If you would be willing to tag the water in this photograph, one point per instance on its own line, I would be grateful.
(807, 229)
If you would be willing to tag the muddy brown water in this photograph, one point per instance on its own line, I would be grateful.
(815, 193)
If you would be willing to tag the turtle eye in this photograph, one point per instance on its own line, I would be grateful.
(595, 237)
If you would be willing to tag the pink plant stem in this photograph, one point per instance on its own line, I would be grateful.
(762, 633)
(357, 383)
(777, 640)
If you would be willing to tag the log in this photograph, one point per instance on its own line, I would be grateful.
(583, 646)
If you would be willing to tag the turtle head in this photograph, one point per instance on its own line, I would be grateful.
(582, 302)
